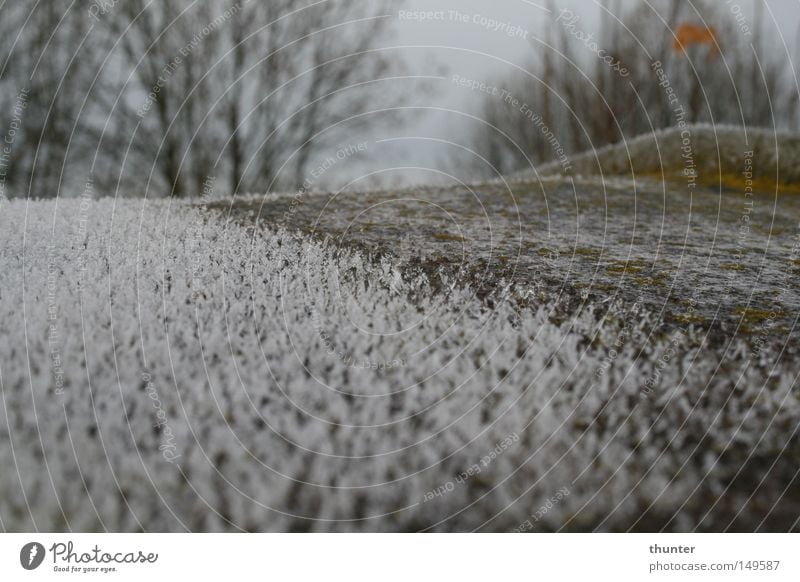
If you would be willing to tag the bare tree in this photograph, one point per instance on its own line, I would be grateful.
(247, 92)
(733, 79)
(42, 52)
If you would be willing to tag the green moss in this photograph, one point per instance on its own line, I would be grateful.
(656, 281)
(690, 318)
(619, 267)
(737, 182)
(597, 286)
(587, 252)
(752, 315)
(732, 267)
(446, 236)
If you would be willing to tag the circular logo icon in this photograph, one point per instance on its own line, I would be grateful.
(31, 555)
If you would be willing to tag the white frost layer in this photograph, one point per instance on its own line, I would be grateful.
(117, 317)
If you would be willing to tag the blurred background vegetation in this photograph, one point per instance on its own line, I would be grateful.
(165, 98)
(721, 68)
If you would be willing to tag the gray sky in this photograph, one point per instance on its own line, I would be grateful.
(481, 40)
(781, 16)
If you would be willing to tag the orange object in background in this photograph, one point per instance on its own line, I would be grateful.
(687, 35)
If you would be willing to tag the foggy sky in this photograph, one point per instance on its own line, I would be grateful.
(446, 47)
